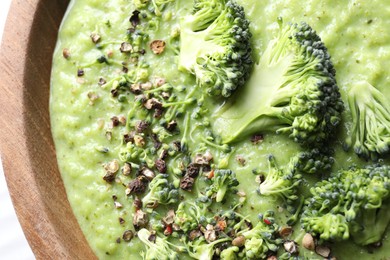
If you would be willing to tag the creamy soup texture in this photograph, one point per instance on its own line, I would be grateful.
(93, 111)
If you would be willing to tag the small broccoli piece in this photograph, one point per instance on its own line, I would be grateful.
(292, 91)
(189, 215)
(161, 191)
(261, 239)
(211, 141)
(215, 46)
(370, 225)
(280, 182)
(138, 4)
(312, 161)
(132, 153)
(230, 253)
(297, 210)
(200, 249)
(158, 5)
(160, 249)
(349, 203)
(222, 182)
(167, 87)
(370, 110)
(329, 226)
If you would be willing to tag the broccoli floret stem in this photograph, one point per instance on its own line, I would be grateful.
(294, 218)
(157, 4)
(370, 110)
(175, 107)
(222, 147)
(192, 38)
(279, 182)
(221, 193)
(371, 225)
(253, 109)
(291, 91)
(183, 102)
(204, 251)
(165, 87)
(184, 139)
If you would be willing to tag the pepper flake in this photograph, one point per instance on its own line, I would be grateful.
(157, 46)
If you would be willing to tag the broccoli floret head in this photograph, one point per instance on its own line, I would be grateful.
(261, 239)
(224, 180)
(157, 248)
(215, 46)
(350, 203)
(161, 191)
(200, 249)
(370, 111)
(189, 215)
(292, 91)
(230, 253)
(328, 226)
(312, 161)
(280, 182)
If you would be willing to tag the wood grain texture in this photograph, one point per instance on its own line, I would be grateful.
(26, 145)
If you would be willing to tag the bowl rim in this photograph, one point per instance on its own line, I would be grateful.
(25, 139)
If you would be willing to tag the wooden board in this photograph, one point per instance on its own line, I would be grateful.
(26, 144)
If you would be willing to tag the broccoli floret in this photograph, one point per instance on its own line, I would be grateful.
(215, 46)
(189, 215)
(200, 249)
(230, 253)
(284, 181)
(370, 110)
(280, 182)
(222, 182)
(349, 203)
(328, 226)
(161, 191)
(158, 5)
(157, 248)
(370, 225)
(292, 91)
(132, 153)
(312, 161)
(261, 239)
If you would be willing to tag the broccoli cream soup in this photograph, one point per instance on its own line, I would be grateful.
(215, 129)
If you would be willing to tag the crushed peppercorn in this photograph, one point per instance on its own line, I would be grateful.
(137, 185)
(186, 183)
(157, 46)
(161, 165)
(80, 72)
(95, 37)
(134, 18)
(128, 235)
(102, 81)
(126, 47)
(257, 138)
(66, 53)
(126, 169)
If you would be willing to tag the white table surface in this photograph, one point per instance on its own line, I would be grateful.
(13, 244)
